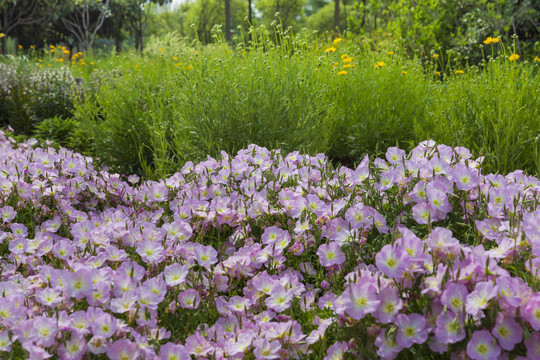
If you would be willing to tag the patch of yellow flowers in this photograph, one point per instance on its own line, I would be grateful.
(491, 40)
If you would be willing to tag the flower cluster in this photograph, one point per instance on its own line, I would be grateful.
(268, 256)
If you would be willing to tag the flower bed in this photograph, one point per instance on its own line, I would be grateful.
(267, 256)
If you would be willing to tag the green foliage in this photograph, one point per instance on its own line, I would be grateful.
(179, 101)
(323, 20)
(154, 117)
(494, 111)
(425, 25)
(206, 14)
(288, 11)
(60, 131)
(29, 95)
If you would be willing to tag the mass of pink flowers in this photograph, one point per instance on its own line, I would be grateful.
(267, 255)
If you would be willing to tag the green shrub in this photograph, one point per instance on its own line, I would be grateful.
(60, 131)
(28, 95)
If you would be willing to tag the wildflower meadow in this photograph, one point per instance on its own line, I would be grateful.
(270, 179)
(268, 255)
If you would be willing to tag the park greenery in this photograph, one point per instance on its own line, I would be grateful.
(269, 179)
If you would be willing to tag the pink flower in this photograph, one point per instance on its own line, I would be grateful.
(206, 256)
(337, 351)
(479, 299)
(454, 296)
(449, 328)
(123, 350)
(483, 346)
(392, 261)
(361, 300)
(280, 299)
(387, 347)
(265, 349)
(464, 177)
(175, 274)
(390, 305)
(330, 254)
(411, 330)
(507, 331)
(395, 155)
(171, 351)
(150, 251)
(531, 312)
(189, 299)
(533, 346)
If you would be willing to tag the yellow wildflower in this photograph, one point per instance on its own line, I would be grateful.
(537, 59)
(379, 64)
(136, 66)
(330, 49)
(39, 60)
(435, 56)
(491, 40)
(60, 60)
(347, 60)
(403, 73)
(52, 47)
(437, 73)
(346, 66)
(20, 46)
(66, 51)
(174, 58)
(342, 72)
(391, 53)
(32, 47)
(91, 63)
(513, 57)
(190, 67)
(334, 64)
(161, 49)
(40, 66)
(2, 35)
(337, 41)
(460, 72)
(178, 64)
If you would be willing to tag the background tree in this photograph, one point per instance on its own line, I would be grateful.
(84, 18)
(324, 19)
(289, 11)
(17, 13)
(336, 15)
(228, 35)
(205, 14)
(163, 23)
(138, 12)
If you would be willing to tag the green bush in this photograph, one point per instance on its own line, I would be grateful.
(28, 95)
(58, 130)
(153, 113)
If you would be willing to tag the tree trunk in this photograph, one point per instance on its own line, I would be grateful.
(363, 23)
(228, 35)
(118, 43)
(250, 13)
(336, 16)
(4, 45)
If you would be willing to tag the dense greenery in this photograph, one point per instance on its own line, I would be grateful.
(182, 101)
(420, 25)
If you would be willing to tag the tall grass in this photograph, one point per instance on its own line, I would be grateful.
(182, 101)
